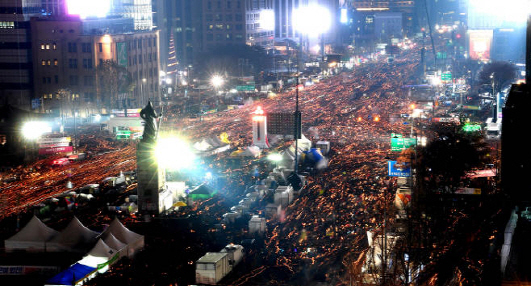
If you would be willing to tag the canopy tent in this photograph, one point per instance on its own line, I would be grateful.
(116, 244)
(100, 256)
(203, 145)
(71, 276)
(215, 142)
(33, 237)
(75, 237)
(133, 240)
(251, 151)
(202, 192)
(304, 143)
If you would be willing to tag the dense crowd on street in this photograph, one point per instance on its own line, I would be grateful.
(352, 110)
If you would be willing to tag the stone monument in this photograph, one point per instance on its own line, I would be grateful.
(151, 178)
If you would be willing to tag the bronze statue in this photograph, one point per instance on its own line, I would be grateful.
(150, 117)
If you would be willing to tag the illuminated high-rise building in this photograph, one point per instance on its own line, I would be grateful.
(202, 25)
(365, 10)
(171, 68)
(16, 79)
(139, 10)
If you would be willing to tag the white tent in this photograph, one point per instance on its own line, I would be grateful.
(116, 244)
(133, 240)
(100, 256)
(215, 142)
(75, 237)
(251, 151)
(304, 143)
(33, 237)
(203, 145)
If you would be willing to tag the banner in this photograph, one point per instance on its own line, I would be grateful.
(25, 270)
(480, 44)
(53, 150)
(54, 140)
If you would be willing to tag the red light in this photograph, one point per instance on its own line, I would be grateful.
(458, 36)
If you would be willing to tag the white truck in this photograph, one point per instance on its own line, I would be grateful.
(493, 129)
(212, 267)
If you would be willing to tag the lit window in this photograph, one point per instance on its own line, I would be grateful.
(42, 46)
(47, 46)
(7, 25)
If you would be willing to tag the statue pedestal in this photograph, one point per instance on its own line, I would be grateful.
(151, 179)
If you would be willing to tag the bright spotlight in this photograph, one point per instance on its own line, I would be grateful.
(97, 8)
(173, 153)
(267, 20)
(312, 20)
(216, 81)
(34, 129)
(275, 157)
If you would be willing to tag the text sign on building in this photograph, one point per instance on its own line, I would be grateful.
(398, 170)
(283, 123)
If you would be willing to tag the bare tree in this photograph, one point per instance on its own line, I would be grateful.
(497, 74)
(114, 83)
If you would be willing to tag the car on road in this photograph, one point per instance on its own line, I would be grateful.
(60, 162)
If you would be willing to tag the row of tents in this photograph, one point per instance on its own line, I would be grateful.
(107, 247)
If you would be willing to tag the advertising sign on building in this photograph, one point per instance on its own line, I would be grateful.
(480, 44)
(54, 142)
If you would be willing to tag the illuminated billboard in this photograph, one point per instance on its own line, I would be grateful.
(480, 43)
(490, 14)
(93, 8)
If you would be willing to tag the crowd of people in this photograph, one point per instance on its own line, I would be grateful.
(329, 220)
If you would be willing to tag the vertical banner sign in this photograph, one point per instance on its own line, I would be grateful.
(121, 54)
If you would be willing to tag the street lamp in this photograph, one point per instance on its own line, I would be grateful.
(216, 81)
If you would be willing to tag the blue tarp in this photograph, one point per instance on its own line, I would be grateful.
(314, 155)
(69, 276)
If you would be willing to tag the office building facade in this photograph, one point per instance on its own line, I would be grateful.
(69, 73)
